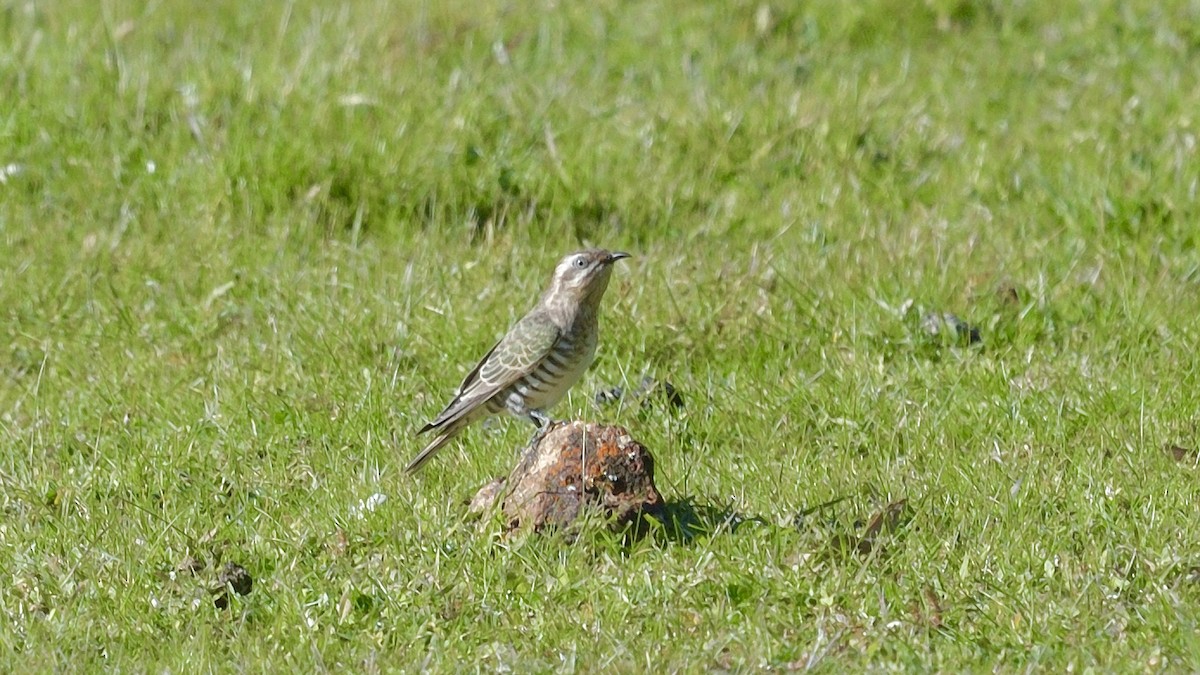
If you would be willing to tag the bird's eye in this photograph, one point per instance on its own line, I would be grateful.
(580, 262)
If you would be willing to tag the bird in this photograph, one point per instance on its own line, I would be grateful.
(543, 354)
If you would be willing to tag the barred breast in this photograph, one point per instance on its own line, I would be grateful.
(549, 382)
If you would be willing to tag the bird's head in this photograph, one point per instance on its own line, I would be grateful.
(582, 277)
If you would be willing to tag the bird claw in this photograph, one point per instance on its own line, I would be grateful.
(543, 422)
(537, 436)
(540, 419)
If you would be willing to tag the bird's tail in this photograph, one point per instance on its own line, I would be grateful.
(444, 435)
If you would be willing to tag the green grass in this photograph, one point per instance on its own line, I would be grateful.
(246, 249)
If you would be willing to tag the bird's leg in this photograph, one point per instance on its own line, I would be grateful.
(542, 421)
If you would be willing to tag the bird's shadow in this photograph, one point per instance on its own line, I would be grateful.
(686, 520)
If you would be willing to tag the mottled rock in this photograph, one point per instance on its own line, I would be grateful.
(486, 497)
(576, 465)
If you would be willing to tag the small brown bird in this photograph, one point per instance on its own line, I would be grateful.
(531, 368)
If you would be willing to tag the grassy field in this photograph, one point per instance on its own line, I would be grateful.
(246, 249)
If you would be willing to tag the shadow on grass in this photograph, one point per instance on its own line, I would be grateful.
(686, 520)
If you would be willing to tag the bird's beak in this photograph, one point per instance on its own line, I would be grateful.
(616, 255)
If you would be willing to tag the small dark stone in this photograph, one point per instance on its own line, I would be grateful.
(190, 565)
(1007, 294)
(609, 396)
(1182, 454)
(650, 389)
(649, 392)
(236, 577)
(946, 325)
(891, 518)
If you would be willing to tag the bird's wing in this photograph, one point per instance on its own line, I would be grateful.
(516, 355)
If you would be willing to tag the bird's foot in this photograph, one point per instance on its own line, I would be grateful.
(540, 419)
(543, 422)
